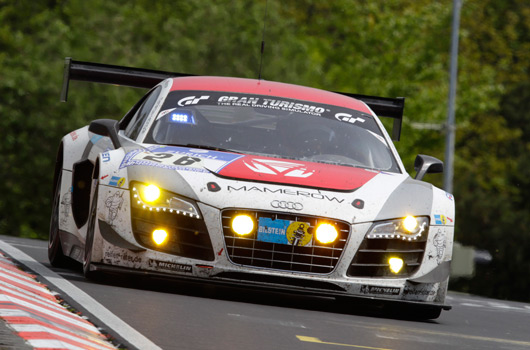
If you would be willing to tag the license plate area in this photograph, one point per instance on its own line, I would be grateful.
(287, 232)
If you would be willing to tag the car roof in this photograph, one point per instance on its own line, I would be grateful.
(264, 87)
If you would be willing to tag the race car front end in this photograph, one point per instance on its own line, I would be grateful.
(252, 183)
(378, 242)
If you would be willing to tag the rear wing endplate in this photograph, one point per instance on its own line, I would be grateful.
(147, 78)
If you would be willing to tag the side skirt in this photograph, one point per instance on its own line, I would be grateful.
(72, 246)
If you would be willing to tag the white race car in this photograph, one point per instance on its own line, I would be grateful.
(255, 183)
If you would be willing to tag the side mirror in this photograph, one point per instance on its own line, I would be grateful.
(427, 164)
(106, 127)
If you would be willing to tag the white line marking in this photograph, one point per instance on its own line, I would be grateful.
(132, 336)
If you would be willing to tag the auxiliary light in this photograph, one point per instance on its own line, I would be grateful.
(242, 224)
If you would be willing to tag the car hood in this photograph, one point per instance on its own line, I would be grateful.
(233, 180)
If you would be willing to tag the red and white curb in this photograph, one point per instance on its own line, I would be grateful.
(35, 314)
(120, 329)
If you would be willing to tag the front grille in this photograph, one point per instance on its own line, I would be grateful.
(371, 260)
(188, 237)
(314, 257)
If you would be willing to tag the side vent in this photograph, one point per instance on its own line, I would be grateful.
(81, 181)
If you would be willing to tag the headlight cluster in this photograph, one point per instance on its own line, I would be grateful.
(151, 197)
(409, 228)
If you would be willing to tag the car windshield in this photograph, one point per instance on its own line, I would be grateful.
(272, 126)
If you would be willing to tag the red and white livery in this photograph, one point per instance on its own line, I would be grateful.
(252, 182)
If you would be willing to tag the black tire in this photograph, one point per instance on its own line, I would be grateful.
(55, 249)
(89, 243)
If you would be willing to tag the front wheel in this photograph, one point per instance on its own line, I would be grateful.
(55, 250)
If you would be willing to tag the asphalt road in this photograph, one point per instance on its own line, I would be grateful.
(181, 316)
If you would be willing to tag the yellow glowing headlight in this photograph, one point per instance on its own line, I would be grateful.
(159, 236)
(410, 228)
(410, 223)
(396, 264)
(326, 233)
(150, 193)
(242, 225)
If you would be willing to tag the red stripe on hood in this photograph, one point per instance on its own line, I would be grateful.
(295, 172)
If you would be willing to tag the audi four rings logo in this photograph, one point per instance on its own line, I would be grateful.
(287, 205)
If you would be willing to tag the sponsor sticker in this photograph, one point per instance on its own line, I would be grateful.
(286, 191)
(105, 157)
(116, 256)
(297, 234)
(439, 243)
(94, 139)
(270, 103)
(114, 203)
(117, 181)
(440, 219)
(273, 231)
(158, 264)
(191, 100)
(346, 117)
(284, 232)
(381, 290)
(420, 291)
(213, 187)
(300, 173)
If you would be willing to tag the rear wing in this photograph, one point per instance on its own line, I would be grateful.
(110, 74)
(147, 78)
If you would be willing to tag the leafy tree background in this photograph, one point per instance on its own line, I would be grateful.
(387, 48)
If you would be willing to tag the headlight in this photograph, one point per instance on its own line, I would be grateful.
(151, 197)
(409, 228)
(150, 193)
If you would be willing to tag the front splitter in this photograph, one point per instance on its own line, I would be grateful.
(267, 286)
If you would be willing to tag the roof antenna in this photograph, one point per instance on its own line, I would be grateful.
(263, 39)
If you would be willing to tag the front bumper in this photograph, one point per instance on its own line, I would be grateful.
(426, 286)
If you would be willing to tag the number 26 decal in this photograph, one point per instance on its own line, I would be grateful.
(168, 158)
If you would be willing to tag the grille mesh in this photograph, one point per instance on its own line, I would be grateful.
(249, 251)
